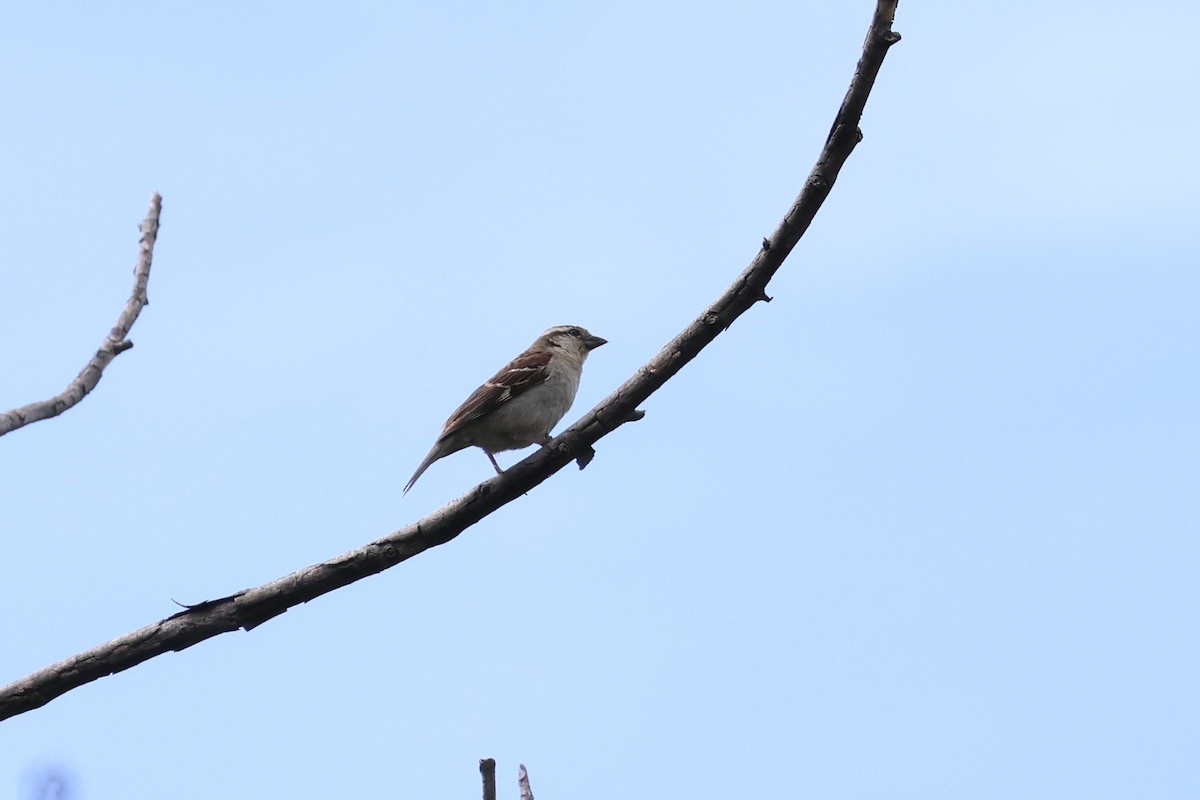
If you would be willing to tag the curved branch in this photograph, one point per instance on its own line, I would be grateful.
(252, 607)
(113, 345)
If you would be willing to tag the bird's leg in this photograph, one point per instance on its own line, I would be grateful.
(492, 459)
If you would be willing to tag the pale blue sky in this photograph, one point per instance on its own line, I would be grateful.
(923, 527)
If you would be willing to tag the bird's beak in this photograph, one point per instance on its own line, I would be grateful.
(592, 342)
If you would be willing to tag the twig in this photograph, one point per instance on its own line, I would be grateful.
(252, 607)
(113, 345)
(523, 782)
(487, 768)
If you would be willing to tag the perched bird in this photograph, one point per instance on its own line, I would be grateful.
(522, 402)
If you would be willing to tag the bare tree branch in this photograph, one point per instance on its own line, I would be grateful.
(523, 782)
(252, 607)
(113, 345)
(487, 768)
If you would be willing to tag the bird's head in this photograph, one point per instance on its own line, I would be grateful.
(570, 339)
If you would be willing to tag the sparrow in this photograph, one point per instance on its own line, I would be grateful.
(519, 405)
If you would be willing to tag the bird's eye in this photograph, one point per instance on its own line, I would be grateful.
(574, 332)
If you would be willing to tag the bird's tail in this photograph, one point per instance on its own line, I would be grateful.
(429, 459)
(440, 449)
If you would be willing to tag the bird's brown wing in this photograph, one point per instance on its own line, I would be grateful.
(520, 375)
